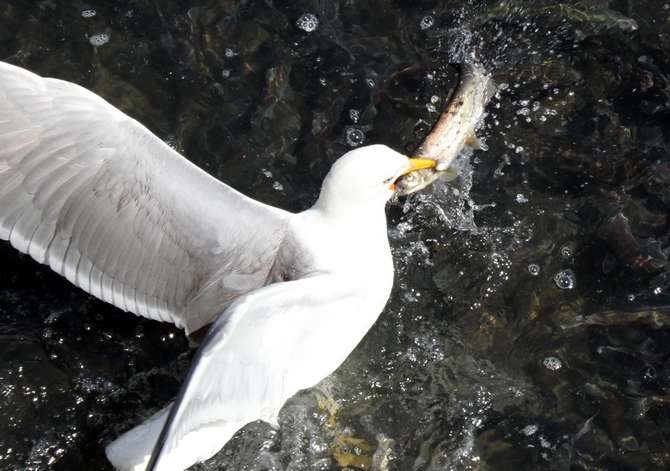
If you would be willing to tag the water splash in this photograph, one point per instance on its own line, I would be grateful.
(451, 202)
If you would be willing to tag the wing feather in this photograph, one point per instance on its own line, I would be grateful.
(263, 349)
(101, 200)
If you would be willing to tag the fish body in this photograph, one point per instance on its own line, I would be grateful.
(454, 130)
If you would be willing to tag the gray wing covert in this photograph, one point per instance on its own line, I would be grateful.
(96, 196)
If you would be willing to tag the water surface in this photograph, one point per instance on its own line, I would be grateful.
(528, 327)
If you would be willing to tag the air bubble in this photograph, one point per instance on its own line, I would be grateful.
(565, 279)
(307, 22)
(426, 22)
(521, 199)
(99, 39)
(534, 269)
(552, 363)
(355, 137)
(88, 13)
(354, 115)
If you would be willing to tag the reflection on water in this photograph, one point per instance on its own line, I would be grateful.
(529, 324)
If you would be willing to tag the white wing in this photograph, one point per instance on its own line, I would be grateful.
(262, 350)
(105, 203)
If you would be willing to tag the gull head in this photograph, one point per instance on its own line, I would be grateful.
(365, 177)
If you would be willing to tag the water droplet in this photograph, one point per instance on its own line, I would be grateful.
(648, 373)
(520, 198)
(518, 149)
(565, 279)
(630, 297)
(544, 443)
(370, 83)
(307, 22)
(552, 363)
(88, 13)
(354, 116)
(529, 430)
(99, 39)
(225, 73)
(323, 81)
(658, 290)
(278, 186)
(534, 269)
(426, 22)
(355, 137)
(566, 252)
(228, 52)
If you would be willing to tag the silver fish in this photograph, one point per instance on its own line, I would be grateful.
(454, 130)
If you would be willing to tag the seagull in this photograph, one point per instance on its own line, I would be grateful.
(95, 195)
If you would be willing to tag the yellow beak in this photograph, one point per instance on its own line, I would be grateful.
(419, 164)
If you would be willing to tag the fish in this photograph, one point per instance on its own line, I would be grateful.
(454, 130)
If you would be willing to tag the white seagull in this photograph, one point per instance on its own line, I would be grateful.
(96, 196)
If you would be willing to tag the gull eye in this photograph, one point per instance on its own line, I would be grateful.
(389, 180)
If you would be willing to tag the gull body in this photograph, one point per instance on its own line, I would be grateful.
(96, 196)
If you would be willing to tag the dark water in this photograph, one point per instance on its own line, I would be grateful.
(530, 323)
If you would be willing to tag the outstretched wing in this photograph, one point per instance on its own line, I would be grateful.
(262, 350)
(96, 196)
